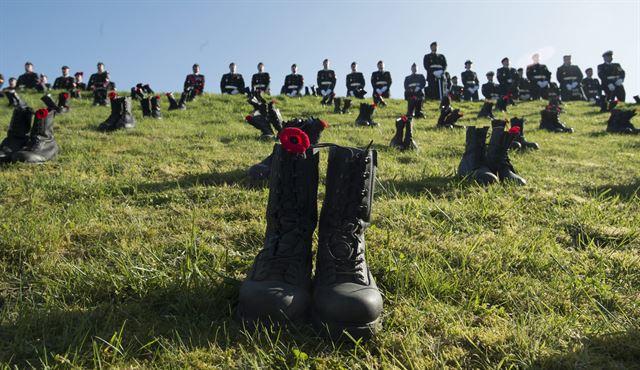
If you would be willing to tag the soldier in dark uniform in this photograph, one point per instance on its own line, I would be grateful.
(1, 83)
(490, 90)
(79, 81)
(326, 79)
(539, 77)
(29, 79)
(64, 82)
(611, 77)
(554, 92)
(591, 86)
(99, 83)
(470, 82)
(194, 83)
(524, 86)
(414, 85)
(43, 83)
(355, 82)
(436, 65)
(381, 84)
(455, 91)
(260, 81)
(232, 82)
(507, 78)
(293, 83)
(570, 78)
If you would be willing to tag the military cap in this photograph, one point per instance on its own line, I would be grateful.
(503, 59)
(490, 73)
(608, 52)
(468, 62)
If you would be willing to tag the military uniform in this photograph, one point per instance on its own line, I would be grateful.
(193, 85)
(491, 91)
(29, 80)
(326, 81)
(471, 85)
(554, 91)
(611, 80)
(569, 77)
(435, 64)
(293, 84)
(591, 88)
(260, 82)
(540, 77)
(381, 83)
(508, 80)
(232, 83)
(456, 92)
(64, 83)
(355, 84)
(99, 80)
(524, 89)
(414, 85)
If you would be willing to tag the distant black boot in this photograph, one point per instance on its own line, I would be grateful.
(448, 118)
(501, 104)
(306, 91)
(330, 98)
(396, 141)
(99, 96)
(524, 144)
(277, 289)
(14, 99)
(337, 102)
(409, 143)
(345, 296)
(411, 107)
(136, 92)
(418, 109)
(42, 146)
(17, 134)
(120, 117)
(637, 99)
(550, 120)
(346, 106)
(182, 105)
(498, 153)
(473, 163)
(620, 122)
(365, 118)
(486, 111)
(145, 104)
(324, 100)
(274, 118)
(173, 103)
(155, 107)
(51, 105)
(147, 89)
(63, 102)
(259, 121)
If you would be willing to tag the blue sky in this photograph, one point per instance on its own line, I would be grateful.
(157, 41)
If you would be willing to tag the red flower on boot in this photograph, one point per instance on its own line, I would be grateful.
(113, 95)
(294, 140)
(42, 113)
(168, 94)
(324, 124)
(404, 118)
(514, 130)
(66, 96)
(248, 118)
(157, 97)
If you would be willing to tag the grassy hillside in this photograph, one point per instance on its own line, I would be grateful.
(128, 249)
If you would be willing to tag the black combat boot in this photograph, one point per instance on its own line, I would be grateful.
(418, 109)
(259, 121)
(337, 102)
(637, 99)
(182, 105)
(147, 89)
(173, 103)
(501, 104)
(145, 103)
(120, 117)
(17, 134)
(524, 144)
(473, 163)
(345, 296)
(448, 118)
(411, 107)
(324, 100)
(313, 127)
(486, 111)
(346, 106)
(550, 120)
(620, 122)
(51, 105)
(14, 99)
(331, 97)
(277, 287)
(306, 91)
(41, 146)
(365, 118)
(274, 117)
(498, 153)
(99, 96)
(409, 143)
(396, 141)
(63, 102)
(155, 107)
(136, 92)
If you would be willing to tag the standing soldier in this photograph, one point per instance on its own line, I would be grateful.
(570, 78)
(293, 83)
(260, 81)
(381, 84)
(524, 86)
(29, 79)
(591, 86)
(355, 82)
(99, 83)
(232, 82)
(414, 92)
(455, 91)
(64, 82)
(507, 78)
(435, 64)
(326, 79)
(194, 83)
(490, 89)
(470, 82)
(539, 77)
(611, 77)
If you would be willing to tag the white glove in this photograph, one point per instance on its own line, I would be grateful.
(611, 87)
(325, 92)
(438, 73)
(234, 92)
(471, 90)
(293, 93)
(619, 82)
(382, 89)
(379, 91)
(543, 84)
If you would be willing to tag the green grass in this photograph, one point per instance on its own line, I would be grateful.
(129, 248)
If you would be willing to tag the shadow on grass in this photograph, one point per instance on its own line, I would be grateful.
(624, 191)
(431, 184)
(599, 352)
(235, 177)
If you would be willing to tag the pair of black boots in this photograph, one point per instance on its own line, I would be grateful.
(29, 143)
(487, 110)
(404, 127)
(489, 163)
(620, 122)
(550, 119)
(100, 96)
(120, 117)
(174, 104)
(344, 109)
(279, 288)
(414, 107)
(448, 116)
(63, 102)
(328, 99)
(149, 102)
(365, 117)
(264, 116)
(520, 143)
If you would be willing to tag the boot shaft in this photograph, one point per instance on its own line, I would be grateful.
(63, 100)
(42, 128)
(20, 124)
(145, 103)
(155, 107)
(347, 106)
(336, 105)
(365, 117)
(48, 101)
(173, 104)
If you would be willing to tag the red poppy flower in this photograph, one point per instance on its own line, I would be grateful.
(113, 95)
(42, 113)
(294, 140)
(461, 114)
(404, 118)
(65, 96)
(248, 118)
(324, 124)
(374, 105)
(157, 97)
(514, 130)
(168, 94)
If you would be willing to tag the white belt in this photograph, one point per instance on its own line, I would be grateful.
(260, 85)
(571, 78)
(435, 66)
(292, 86)
(471, 82)
(414, 84)
(326, 83)
(355, 84)
(378, 83)
(231, 87)
(523, 91)
(509, 80)
(612, 77)
(540, 76)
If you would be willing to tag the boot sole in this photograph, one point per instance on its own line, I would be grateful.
(345, 330)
